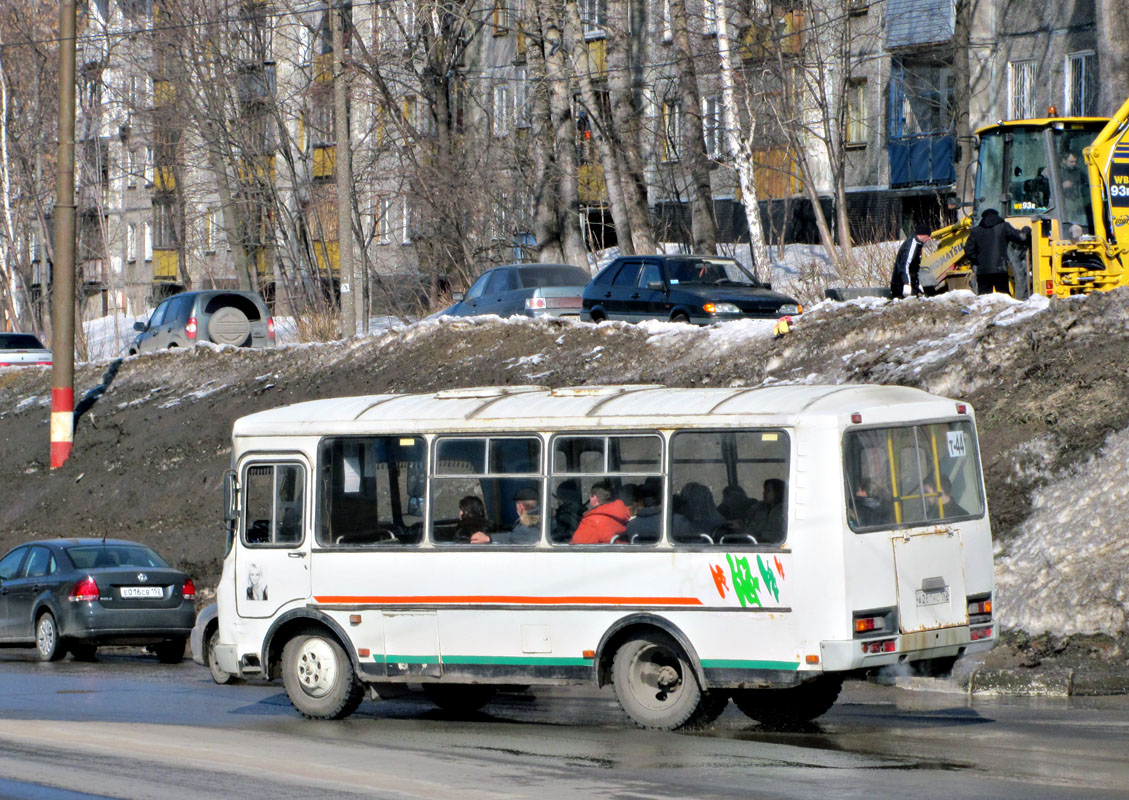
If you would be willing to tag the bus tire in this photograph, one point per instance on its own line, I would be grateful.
(654, 682)
(319, 677)
(781, 709)
(711, 707)
(459, 698)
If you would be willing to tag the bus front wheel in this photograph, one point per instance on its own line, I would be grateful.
(319, 677)
(655, 683)
(792, 707)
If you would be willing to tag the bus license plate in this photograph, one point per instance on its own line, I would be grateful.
(933, 598)
(142, 591)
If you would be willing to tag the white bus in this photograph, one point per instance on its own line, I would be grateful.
(687, 546)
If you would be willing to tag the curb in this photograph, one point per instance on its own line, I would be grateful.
(1049, 682)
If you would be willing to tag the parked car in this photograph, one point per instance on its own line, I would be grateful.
(205, 634)
(23, 350)
(76, 594)
(530, 290)
(681, 288)
(221, 317)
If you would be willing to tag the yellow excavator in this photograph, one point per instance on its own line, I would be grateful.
(1065, 178)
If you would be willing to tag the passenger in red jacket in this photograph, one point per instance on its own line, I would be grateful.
(604, 519)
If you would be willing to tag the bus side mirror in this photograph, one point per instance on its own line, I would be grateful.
(230, 509)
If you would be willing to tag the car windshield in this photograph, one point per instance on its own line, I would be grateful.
(114, 555)
(714, 271)
(552, 276)
(19, 341)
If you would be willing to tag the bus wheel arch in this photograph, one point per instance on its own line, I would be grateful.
(301, 622)
(633, 626)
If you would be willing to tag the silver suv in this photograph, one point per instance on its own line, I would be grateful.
(236, 318)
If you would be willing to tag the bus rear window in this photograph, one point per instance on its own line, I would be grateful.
(911, 475)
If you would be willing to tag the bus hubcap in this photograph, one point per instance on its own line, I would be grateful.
(317, 667)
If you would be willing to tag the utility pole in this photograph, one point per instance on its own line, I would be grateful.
(343, 174)
(62, 279)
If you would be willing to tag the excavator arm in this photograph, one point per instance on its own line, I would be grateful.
(1107, 159)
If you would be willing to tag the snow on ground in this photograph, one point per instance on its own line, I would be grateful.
(1066, 572)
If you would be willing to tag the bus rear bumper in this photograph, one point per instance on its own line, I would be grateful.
(853, 654)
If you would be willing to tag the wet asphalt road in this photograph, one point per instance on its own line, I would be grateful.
(131, 728)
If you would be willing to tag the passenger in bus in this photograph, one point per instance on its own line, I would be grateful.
(766, 522)
(868, 506)
(569, 510)
(605, 519)
(700, 508)
(941, 505)
(472, 519)
(734, 505)
(646, 526)
(629, 494)
(527, 528)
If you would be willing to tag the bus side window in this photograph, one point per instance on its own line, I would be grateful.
(366, 486)
(729, 488)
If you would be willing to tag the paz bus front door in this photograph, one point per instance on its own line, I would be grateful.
(272, 565)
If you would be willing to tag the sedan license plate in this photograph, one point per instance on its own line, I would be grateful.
(142, 591)
(932, 598)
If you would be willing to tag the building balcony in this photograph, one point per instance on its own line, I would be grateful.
(165, 264)
(325, 161)
(923, 159)
(592, 188)
(912, 24)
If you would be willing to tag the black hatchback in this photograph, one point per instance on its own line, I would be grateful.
(681, 288)
(76, 594)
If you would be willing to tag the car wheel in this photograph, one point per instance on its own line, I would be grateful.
(680, 317)
(170, 652)
(47, 638)
(219, 675)
(229, 325)
(782, 709)
(83, 652)
(655, 683)
(459, 698)
(319, 677)
(597, 317)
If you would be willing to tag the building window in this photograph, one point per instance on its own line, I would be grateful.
(209, 238)
(1081, 85)
(408, 225)
(668, 31)
(131, 242)
(713, 127)
(672, 130)
(385, 26)
(164, 235)
(133, 168)
(147, 242)
(1021, 89)
(383, 221)
(147, 169)
(709, 16)
(856, 112)
(594, 17)
(503, 110)
(502, 17)
(523, 115)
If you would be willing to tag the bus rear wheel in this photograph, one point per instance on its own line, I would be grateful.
(459, 698)
(319, 677)
(654, 682)
(782, 709)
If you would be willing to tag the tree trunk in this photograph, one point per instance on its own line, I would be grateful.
(694, 156)
(962, 98)
(547, 229)
(1113, 55)
(343, 174)
(741, 147)
(600, 127)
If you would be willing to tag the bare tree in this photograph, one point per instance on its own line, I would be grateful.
(1113, 52)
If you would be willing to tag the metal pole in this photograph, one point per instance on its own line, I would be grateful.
(62, 279)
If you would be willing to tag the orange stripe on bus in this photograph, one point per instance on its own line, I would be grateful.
(507, 599)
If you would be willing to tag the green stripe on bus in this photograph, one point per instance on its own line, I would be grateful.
(736, 663)
(519, 661)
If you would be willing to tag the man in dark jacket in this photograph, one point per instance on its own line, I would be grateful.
(987, 252)
(908, 262)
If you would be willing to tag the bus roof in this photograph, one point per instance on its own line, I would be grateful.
(502, 407)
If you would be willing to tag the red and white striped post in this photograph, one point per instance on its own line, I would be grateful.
(62, 279)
